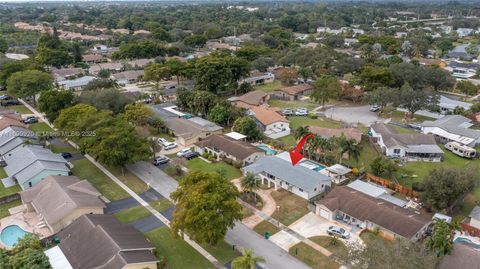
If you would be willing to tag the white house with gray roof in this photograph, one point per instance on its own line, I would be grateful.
(27, 165)
(278, 171)
(13, 136)
(76, 84)
(453, 128)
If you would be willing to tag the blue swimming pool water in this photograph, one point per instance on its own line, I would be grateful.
(267, 150)
(466, 241)
(319, 168)
(11, 234)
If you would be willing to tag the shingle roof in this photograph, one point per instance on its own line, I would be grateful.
(13, 136)
(79, 82)
(7, 119)
(297, 89)
(129, 75)
(56, 197)
(267, 115)
(253, 98)
(455, 124)
(462, 257)
(297, 175)
(28, 160)
(475, 214)
(385, 214)
(237, 148)
(187, 128)
(101, 241)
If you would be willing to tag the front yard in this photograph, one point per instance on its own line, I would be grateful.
(40, 127)
(128, 178)
(312, 257)
(320, 122)
(337, 247)
(292, 207)
(292, 104)
(198, 164)
(266, 226)
(21, 109)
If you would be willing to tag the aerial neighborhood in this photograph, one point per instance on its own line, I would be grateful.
(244, 135)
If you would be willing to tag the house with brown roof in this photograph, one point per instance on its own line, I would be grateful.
(349, 133)
(270, 121)
(189, 131)
(366, 212)
(93, 58)
(293, 92)
(10, 118)
(60, 200)
(410, 147)
(221, 147)
(101, 241)
(253, 98)
(127, 77)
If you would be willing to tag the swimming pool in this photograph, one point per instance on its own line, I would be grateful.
(11, 234)
(312, 165)
(267, 149)
(466, 241)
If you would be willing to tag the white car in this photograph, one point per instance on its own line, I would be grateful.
(301, 112)
(337, 231)
(163, 141)
(182, 152)
(170, 145)
(374, 108)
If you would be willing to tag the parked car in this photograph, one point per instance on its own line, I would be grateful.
(191, 155)
(66, 155)
(287, 112)
(30, 120)
(162, 141)
(375, 108)
(337, 231)
(160, 160)
(415, 126)
(5, 97)
(170, 145)
(301, 112)
(10, 102)
(182, 152)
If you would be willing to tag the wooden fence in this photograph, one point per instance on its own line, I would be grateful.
(392, 185)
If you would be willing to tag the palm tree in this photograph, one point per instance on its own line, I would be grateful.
(301, 131)
(250, 184)
(350, 146)
(247, 260)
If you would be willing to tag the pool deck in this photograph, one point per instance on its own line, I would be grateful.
(26, 220)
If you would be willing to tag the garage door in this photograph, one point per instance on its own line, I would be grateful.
(324, 213)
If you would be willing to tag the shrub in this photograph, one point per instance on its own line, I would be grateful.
(313, 116)
(418, 186)
(206, 155)
(211, 158)
(237, 164)
(228, 161)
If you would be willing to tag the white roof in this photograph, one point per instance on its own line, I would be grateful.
(339, 169)
(236, 136)
(57, 259)
(376, 192)
(16, 56)
(173, 109)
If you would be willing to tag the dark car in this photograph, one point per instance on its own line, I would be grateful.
(30, 120)
(160, 160)
(191, 155)
(66, 155)
(10, 102)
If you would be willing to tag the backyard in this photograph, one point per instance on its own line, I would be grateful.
(292, 207)
(7, 191)
(320, 122)
(198, 164)
(337, 247)
(312, 257)
(269, 87)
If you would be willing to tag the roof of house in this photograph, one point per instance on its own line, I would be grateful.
(65, 72)
(101, 241)
(107, 66)
(455, 124)
(26, 161)
(462, 257)
(364, 207)
(140, 62)
(253, 98)
(9, 119)
(475, 214)
(128, 75)
(376, 191)
(190, 128)
(56, 197)
(452, 103)
(297, 175)
(421, 143)
(79, 82)
(297, 89)
(13, 136)
(237, 148)
(92, 57)
(267, 116)
(350, 133)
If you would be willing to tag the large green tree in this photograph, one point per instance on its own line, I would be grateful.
(52, 101)
(442, 239)
(28, 83)
(206, 207)
(3, 45)
(27, 253)
(326, 87)
(247, 126)
(157, 72)
(138, 113)
(111, 99)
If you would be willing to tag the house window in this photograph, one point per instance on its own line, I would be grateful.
(396, 151)
(300, 189)
(315, 189)
(30, 184)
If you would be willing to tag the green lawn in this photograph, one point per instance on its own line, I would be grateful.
(198, 164)
(369, 237)
(60, 149)
(222, 251)
(269, 87)
(266, 226)
(338, 248)
(128, 178)
(4, 208)
(403, 130)
(292, 207)
(161, 205)
(289, 140)
(320, 122)
(84, 169)
(132, 214)
(292, 104)
(367, 154)
(40, 127)
(21, 109)
(312, 257)
(176, 251)
(397, 116)
(7, 191)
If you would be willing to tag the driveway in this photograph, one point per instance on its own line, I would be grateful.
(154, 177)
(313, 225)
(123, 204)
(353, 115)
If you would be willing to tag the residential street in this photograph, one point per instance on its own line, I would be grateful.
(240, 236)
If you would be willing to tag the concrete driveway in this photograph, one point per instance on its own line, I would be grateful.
(313, 225)
(353, 115)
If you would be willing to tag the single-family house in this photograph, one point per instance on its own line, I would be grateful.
(349, 133)
(93, 58)
(453, 128)
(448, 105)
(278, 171)
(376, 191)
(60, 200)
(98, 48)
(139, 63)
(474, 217)
(13, 136)
(364, 211)
(270, 121)
(126, 77)
(258, 79)
(293, 92)
(10, 118)
(463, 32)
(350, 41)
(462, 70)
(250, 99)
(112, 67)
(410, 147)
(77, 84)
(188, 131)
(27, 165)
(432, 62)
(101, 241)
(337, 172)
(66, 73)
(222, 146)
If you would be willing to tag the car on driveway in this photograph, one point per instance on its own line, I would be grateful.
(30, 120)
(10, 102)
(301, 112)
(374, 108)
(66, 155)
(170, 145)
(337, 231)
(160, 160)
(184, 151)
(415, 126)
(288, 112)
(190, 155)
